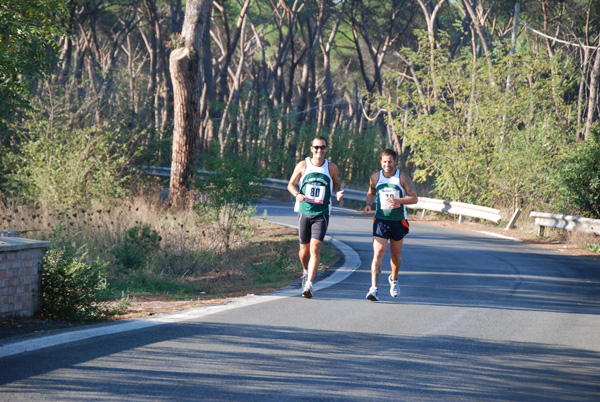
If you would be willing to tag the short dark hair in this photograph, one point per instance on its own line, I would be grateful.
(319, 137)
(389, 152)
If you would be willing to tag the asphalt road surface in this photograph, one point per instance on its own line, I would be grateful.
(479, 318)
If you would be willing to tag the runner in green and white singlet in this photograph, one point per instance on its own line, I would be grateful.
(317, 179)
(316, 185)
(391, 190)
(389, 187)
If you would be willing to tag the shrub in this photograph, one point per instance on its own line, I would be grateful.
(72, 288)
(51, 164)
(139, 242)
(228, 197)
(578, 180)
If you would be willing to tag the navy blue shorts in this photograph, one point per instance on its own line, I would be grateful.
(395, 230)
(312, 227)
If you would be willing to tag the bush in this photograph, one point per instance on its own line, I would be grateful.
(52, 164)
(228, 197)
(578, 180)
(139, 242)
(72, 289)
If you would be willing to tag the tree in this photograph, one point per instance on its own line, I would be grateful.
(483, 143)
(191, 73)
(28, 29)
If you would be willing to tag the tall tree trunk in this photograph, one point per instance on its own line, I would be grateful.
(482, 34)
(153, 53)
(329, 97)
(593, 98)
(431, 18)
(583, 73)
(189, 77)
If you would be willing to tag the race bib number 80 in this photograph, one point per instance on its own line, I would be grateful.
(315, 194)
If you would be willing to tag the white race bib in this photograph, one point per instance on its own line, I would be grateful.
(315, 194)
(385, 193)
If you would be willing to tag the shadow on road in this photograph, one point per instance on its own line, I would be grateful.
(222, 362)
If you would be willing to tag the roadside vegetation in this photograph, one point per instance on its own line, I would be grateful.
(102, 256)
(480, 109)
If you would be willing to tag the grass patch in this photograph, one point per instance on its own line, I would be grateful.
(143, 248)
(595, 247)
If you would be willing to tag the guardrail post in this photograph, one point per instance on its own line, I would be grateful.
(514, 218)
(540, 232)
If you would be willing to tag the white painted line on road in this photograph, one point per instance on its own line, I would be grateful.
(78, 335)
(500, 236)
(351, 263)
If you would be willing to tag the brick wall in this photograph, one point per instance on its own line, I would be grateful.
(20, 261)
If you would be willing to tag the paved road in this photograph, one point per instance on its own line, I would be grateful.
(479, 319)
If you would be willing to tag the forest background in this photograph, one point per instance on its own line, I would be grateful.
(488, 102)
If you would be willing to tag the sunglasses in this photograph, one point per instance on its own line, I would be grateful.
(321, 147)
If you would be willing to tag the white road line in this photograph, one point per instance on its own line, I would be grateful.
(351, 263)
(500, 236)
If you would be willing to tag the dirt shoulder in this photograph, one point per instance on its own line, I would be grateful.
(12, 329)
(564, 242)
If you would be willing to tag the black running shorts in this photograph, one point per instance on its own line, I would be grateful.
(312, 227)
(395, 230)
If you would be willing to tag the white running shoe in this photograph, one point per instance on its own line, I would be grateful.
(372, 295)
(394, 288)
(307, 290)
(304, 278)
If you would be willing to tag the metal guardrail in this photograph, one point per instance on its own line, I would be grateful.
(164, 171)
(430, 204)
(461, 209)
(457, 208)
(566, 222)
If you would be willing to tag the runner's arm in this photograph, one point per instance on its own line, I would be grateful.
(291, 187)
(371, 193)
(409, 188)
(337, 190)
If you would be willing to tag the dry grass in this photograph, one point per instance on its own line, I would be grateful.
(190, 260)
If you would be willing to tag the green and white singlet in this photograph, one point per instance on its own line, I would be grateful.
(389, 187)
(316, 185)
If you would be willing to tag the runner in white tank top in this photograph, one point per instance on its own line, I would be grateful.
(392, 190)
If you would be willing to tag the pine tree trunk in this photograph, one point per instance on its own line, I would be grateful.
(186, 122)
(593, 98)
(188, 76)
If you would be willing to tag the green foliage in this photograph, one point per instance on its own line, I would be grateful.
(138, 244)
(28, 33)
(595, 247)
(145, 282)
(72, 288)
(228, 196)
(54, 165)
(577, 183)
(487, 133)
(356, 154)
(236, 181)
